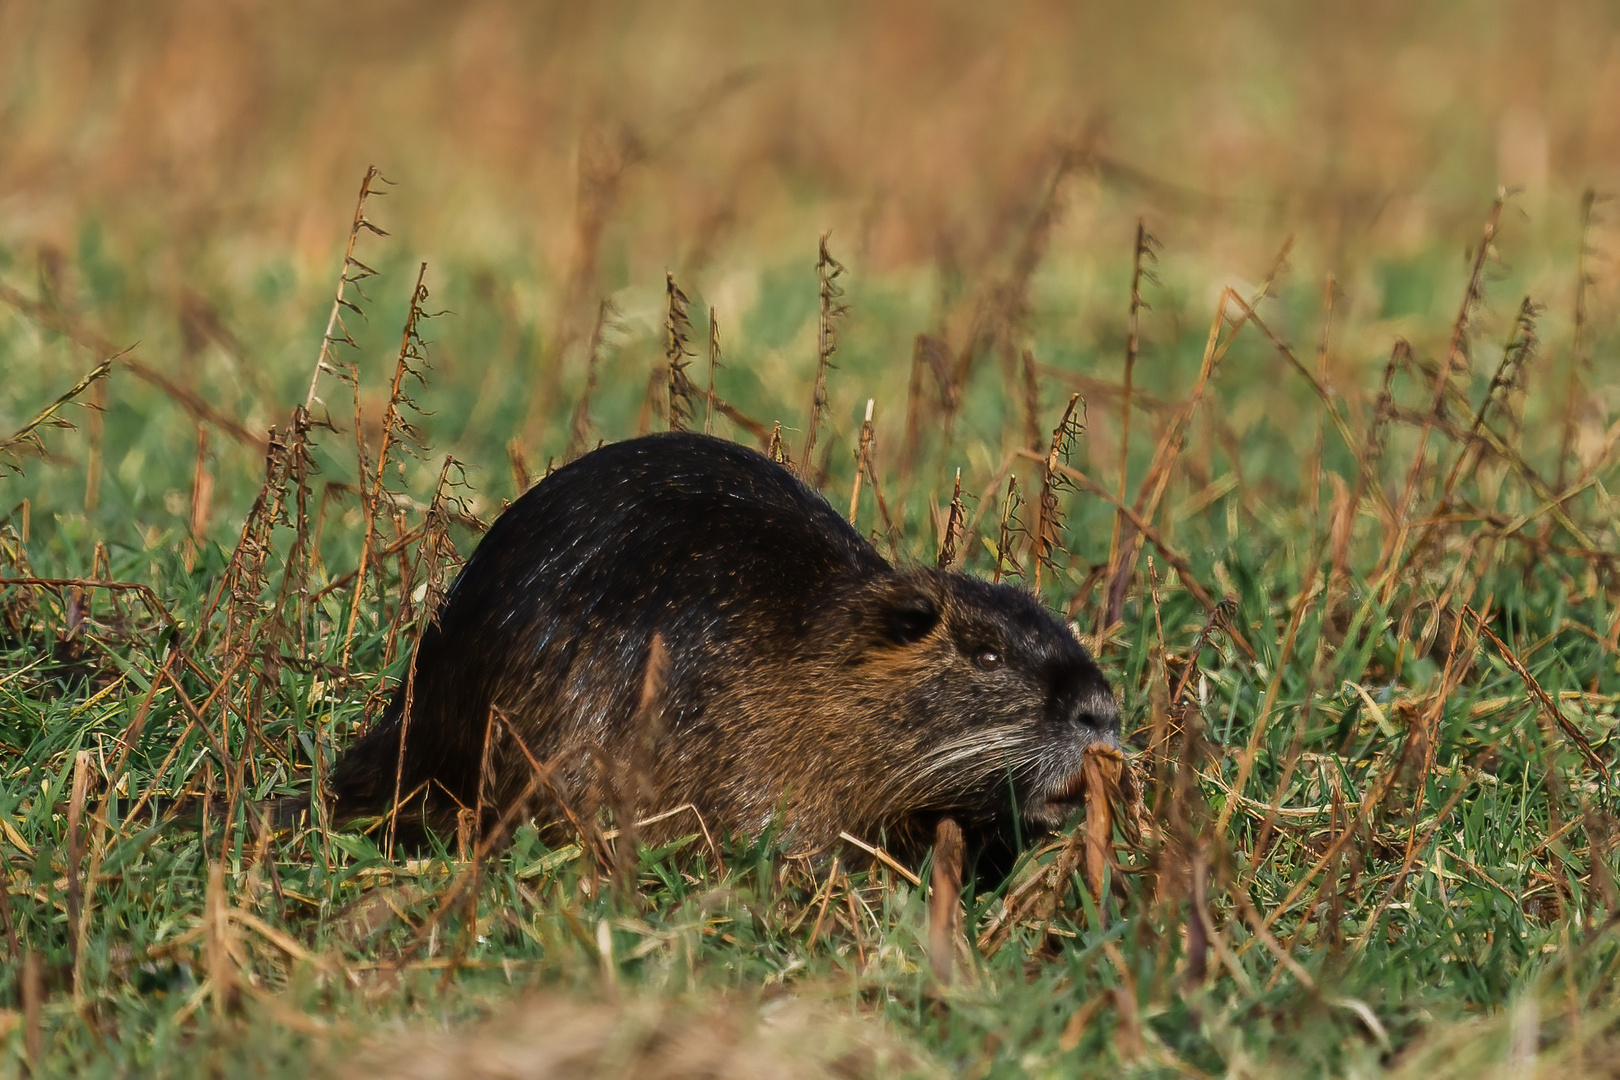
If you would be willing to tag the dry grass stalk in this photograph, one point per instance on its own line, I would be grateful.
(14, 950)
(681, 391)
(75, 852)
(579, 428)
(1011, 527)
(863, 463)
(1509, 380)
(194, 404)
(714, 365)
(945, 900)
(1169, 448)
(1141, 530)
(409, 364)
(26, 439)
(519, 464)
(953, 527)
(202, 498)
(431, 565)
(33, 1000)
(1112, 796)
(434, 556)
(1102, 772)
(828, 271)
(928, 353)
(1143, 251)
(1003, 310)
(776, 449)
(1548, 711)
(353, 273)
(1032, 401)
(1455, 362)
(92, 472)
(1046, 538)
(1580, 360)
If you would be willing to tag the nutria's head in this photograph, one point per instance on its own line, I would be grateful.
(970, 698)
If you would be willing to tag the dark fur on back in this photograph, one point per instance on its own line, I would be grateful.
(804, 675)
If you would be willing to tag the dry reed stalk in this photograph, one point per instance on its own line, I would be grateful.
(1032, 401)
(1548, 711)
(28, 436)
(75, 856)
(1455, 362)
(863, 463)
(629, 782)
(1168, 451)
(433, 557)
(303, 556)
(194, 404)
(409, 363)
(1580, 359)
(579, 428)
(1143, 251)
(519, 465)
(1002, 311)
(353, 273)
(1143, 532)
(1111, 789)
(1046, 538)
(202, 498)
(1425, 731)
(1302, 603)
(953, 527)
(926, 354)
(1102, 772)
(1519, 350)
(681, 391)
(714, 365)
(1006, 564)
(254, 626)
(945, 900)
(1330, 291)
(92, 472)
(828, 271)
(33, 1001)
(867, 462)
(776, 449)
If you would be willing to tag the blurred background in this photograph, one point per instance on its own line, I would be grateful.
(181, 175)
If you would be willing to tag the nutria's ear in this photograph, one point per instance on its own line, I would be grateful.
(909, 616)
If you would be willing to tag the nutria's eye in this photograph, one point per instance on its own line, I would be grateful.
(987, 659)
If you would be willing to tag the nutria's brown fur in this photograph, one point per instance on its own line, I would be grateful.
(808, 687)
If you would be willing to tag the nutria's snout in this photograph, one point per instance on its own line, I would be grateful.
(1085, 701)
(1081, 713)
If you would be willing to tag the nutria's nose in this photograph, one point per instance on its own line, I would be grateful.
(1100, 712)
(1087, 701)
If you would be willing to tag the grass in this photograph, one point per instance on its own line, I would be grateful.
(1358, 604)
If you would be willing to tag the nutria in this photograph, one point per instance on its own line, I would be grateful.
(807, 687)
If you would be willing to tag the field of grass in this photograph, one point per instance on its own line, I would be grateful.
(1337, 293)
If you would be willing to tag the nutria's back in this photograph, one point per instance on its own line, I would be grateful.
(803, 674)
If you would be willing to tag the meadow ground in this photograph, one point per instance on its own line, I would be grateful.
(1335, 288)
